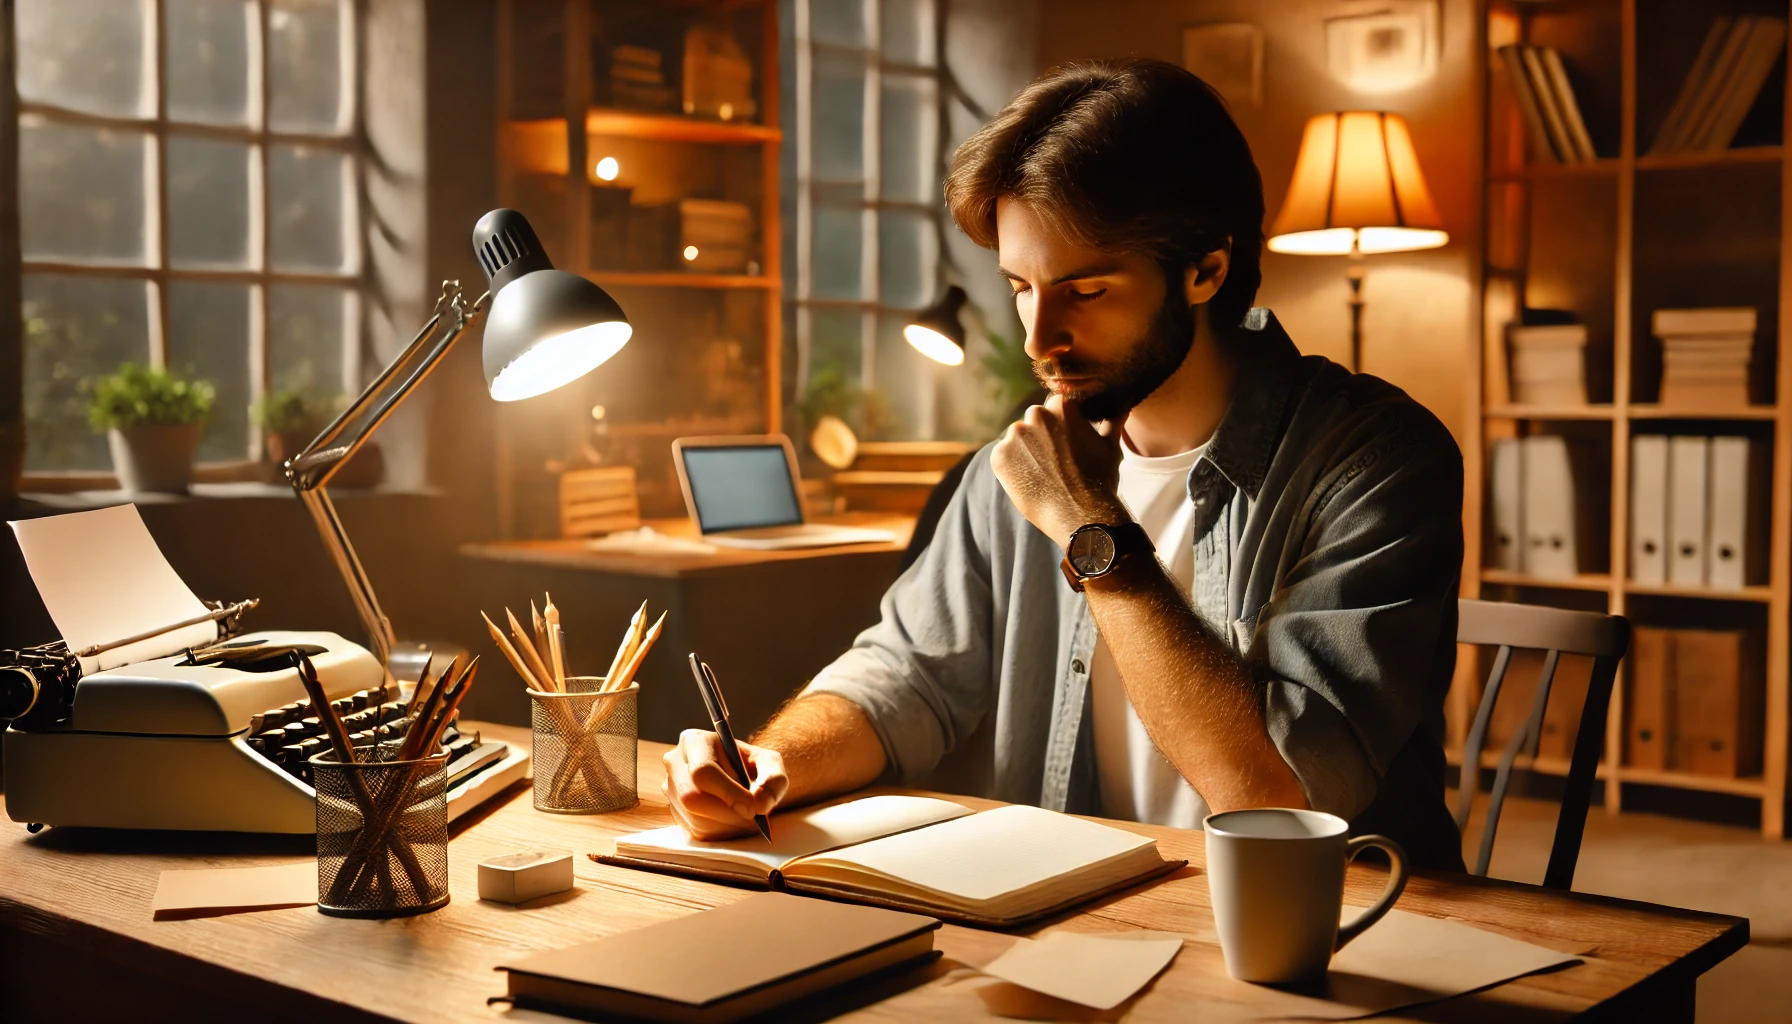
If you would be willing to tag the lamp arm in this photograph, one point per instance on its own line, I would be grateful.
(310, 471)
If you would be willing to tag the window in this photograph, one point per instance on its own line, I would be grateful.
(189, 185)
(861, 187)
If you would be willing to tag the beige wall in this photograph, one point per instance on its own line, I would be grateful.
(1419, 322)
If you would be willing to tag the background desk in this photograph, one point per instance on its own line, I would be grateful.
(79, 943)
(767, 620)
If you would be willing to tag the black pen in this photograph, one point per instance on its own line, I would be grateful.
(718, 717)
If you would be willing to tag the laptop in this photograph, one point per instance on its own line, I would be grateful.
(744, 492)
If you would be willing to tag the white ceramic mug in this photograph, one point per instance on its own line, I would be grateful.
(1276, 880)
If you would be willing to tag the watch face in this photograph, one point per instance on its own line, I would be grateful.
(1091, 551)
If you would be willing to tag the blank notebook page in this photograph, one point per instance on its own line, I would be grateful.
(799, 833)
(986, 855)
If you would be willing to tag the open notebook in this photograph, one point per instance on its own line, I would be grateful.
(1001, 867)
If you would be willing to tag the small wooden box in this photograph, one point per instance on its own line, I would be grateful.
(598, 501)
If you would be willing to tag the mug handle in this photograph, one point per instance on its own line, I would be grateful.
(1396, 885)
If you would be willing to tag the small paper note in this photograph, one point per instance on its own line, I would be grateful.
(1099, 971)
(206, 892)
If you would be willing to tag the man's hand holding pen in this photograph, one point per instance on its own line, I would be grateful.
(704, 796)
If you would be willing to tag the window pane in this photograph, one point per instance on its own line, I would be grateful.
(76, 329)
(208, 202)
(906, 248)
(82, 192)
(908, 31)
(910, 125)
(208, 60)
(208, 338)
(834, 347)
(306, 207)
(837, 21)
(905, 378)
(306, 328)
(83, 54)
(835, 274)
(839, 117)
(305, 66)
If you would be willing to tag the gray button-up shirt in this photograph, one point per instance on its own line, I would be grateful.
(1328, 546)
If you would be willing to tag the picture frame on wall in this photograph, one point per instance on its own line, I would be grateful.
(1382, 46)
(1229, 57)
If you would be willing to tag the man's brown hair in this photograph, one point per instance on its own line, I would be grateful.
(1122, 156)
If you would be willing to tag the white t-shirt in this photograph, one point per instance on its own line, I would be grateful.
(1137, 782)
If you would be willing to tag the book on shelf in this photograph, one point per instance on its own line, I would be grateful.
(1694, 701)
(995, 868)
(1544, 492)
(1705, 355)
(1733, 63)
(1547, 103)
(1698, 511)
(1549, 364)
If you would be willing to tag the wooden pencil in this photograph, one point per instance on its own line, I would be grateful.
(530, 655)
(516, 660)
(629, 639)
(634, 662)
(540, 626)
(556, 641)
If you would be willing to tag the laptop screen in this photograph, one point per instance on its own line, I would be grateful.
(739, 487)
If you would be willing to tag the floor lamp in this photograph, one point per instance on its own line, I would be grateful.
(1357, 189)
(544, 328)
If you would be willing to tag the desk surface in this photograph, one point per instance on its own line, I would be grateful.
(91, 893)
(573, 553)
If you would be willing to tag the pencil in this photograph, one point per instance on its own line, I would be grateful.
(629, 639)
(413, 747)
(640, 655)
(530, 655)
(556, 640)
(540, 626)
(446, 714)
(516, 660)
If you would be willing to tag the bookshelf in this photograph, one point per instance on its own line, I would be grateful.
(1612, 238)
(582, 160)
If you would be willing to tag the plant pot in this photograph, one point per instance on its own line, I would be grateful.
(154, 456)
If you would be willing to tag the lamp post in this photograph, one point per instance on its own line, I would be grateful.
(1357, 189)
(544, 329)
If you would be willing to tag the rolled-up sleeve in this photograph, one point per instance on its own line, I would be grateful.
(923, 674)
(1348, 645)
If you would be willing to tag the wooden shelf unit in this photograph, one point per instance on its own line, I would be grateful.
(553, 136)
(1609, 262)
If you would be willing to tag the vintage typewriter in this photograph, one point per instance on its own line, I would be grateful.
(192, 741)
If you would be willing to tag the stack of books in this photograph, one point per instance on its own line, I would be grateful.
(1737, 56)
(713, 235)
(1546, 101)
(1705, 356)
(637, 80)
(1549, 364)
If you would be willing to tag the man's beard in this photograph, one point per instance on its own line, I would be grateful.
(1114, 390)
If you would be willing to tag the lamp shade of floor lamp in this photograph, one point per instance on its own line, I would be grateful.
(1357, 189)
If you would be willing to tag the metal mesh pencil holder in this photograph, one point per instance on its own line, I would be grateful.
(382, 834)
(585, 747)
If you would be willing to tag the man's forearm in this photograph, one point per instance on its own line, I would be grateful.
(827, 744)
(1197, 701)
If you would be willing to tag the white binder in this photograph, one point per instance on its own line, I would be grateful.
(1727, 513)
(1687, 489)
(1507, 485)
(1649, 508)
(1549, 534)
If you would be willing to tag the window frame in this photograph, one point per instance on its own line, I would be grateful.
(872, 309)
(157, 272)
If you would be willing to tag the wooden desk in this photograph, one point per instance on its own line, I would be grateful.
(767, 620)
(79, 943)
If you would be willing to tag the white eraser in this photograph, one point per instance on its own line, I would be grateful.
(520, 877)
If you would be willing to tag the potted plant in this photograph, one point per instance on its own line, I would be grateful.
(151, 418)
(290, 417)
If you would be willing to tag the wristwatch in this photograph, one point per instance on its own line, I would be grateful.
(1096, 548)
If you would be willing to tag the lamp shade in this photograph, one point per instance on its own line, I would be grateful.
(546, 328)
(936, 332)
(1357, 185)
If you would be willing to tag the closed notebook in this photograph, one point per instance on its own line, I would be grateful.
(737, 961)
(1000, 867)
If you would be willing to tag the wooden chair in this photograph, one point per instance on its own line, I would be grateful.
(1556, 631)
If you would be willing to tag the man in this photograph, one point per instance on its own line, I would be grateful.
(1266, 546)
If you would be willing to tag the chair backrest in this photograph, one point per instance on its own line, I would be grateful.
(1555, 631)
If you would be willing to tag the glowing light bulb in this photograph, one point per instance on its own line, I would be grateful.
(690, 253)
(726, 110)
(608, 168)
